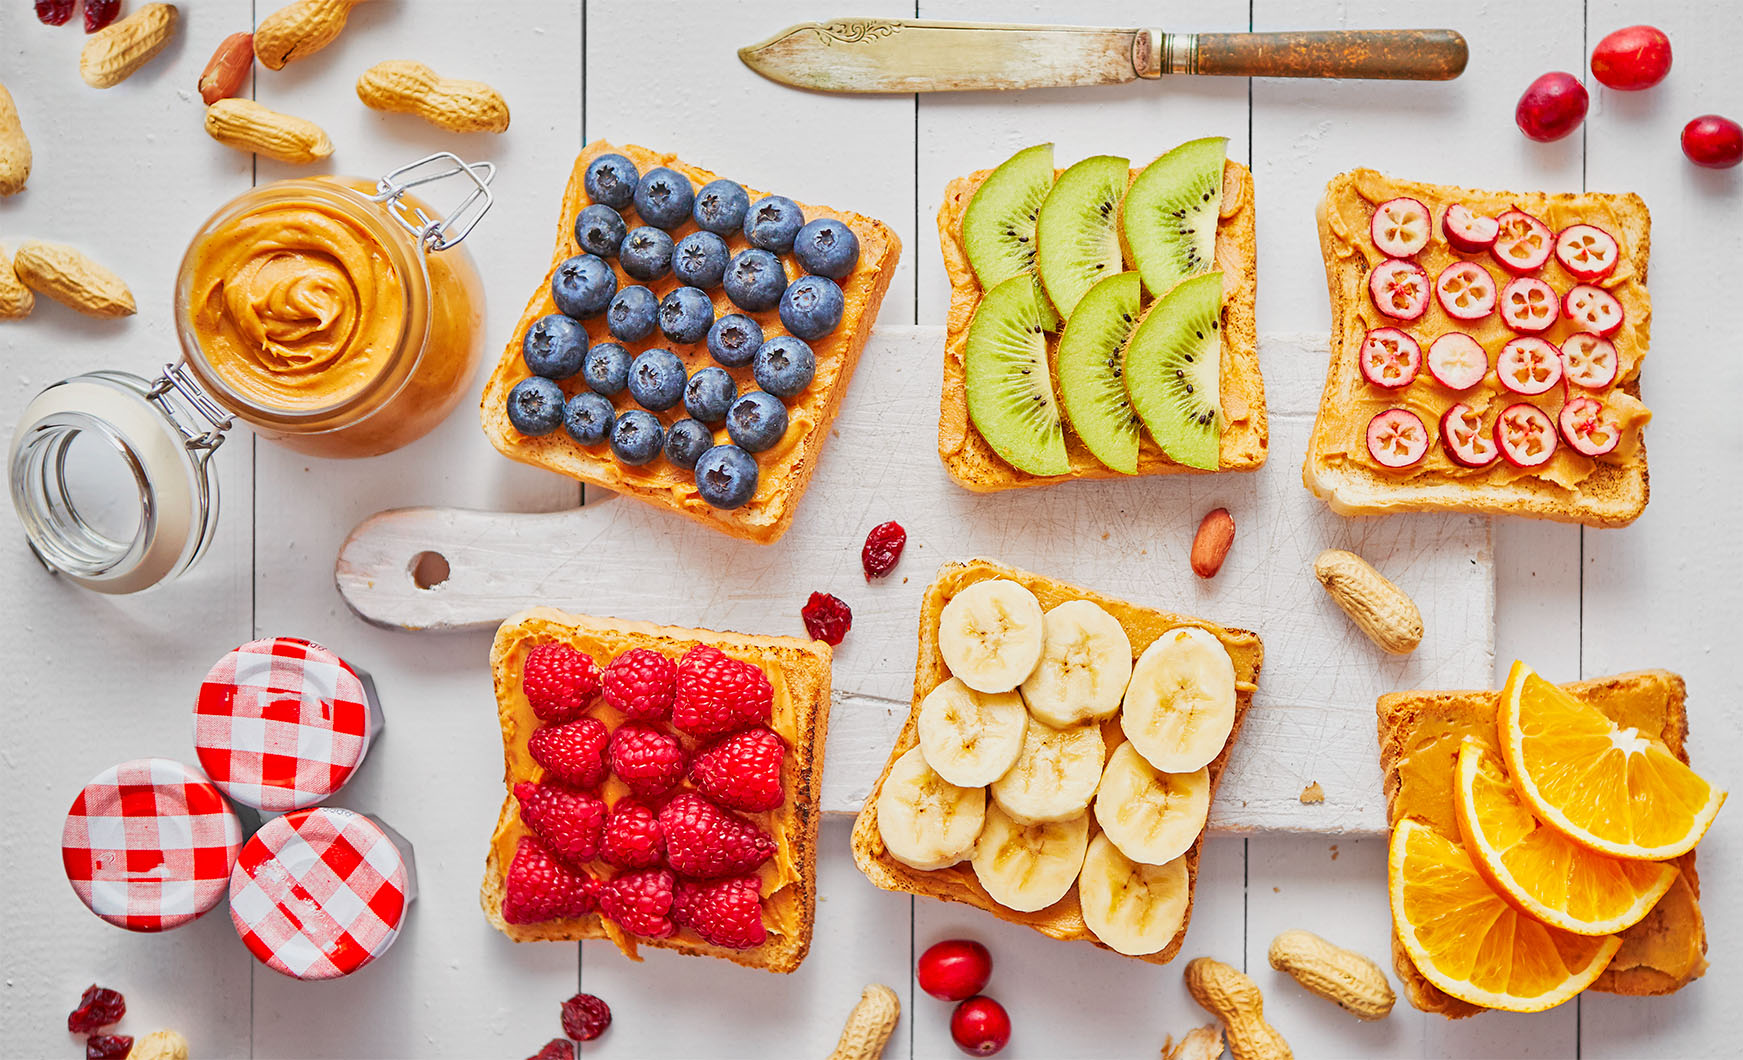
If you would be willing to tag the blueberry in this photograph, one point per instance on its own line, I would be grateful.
(664, 197)
(686, 315)
(588, 417)
(700, 260)
(535, 405)
(826, 247)
(633, 314)
(709, 394)
(554, 346)
(656, 379)
(784, 366)
(726, 476)
(734, 339)
(636, 437)
(646, 254)
(606, 368)
(772, 223)
(686, 441)
(811, 306)
(754, 281)
(720, 207)
(611, 180)
(583, 285)
(600, 230)
(757, 420)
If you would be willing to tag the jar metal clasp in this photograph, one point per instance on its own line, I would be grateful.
(437, 233)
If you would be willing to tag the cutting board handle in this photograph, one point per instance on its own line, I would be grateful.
(1390, 54)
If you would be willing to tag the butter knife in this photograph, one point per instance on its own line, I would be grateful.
(898, 55)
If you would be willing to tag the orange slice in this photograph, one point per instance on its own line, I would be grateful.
(1542, 871)
(1618, 791)
(1465, 939)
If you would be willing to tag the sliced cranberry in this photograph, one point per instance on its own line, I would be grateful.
(1525, 435)
(1523, 243)
(1399, 289)
(1528, 366)
(1401, 227)
(1463, 437)
(1593, 309)
(99, 1006)
(1589, 360)
(883, 549)
(1587, 426)
(1587, 251)
(1467, 230)
(1457, 361)
(1529, 305)
(556, 1049)
(55, 12)
(1389, 358)
(1465, 290)
(827, 618)
(1397, 438)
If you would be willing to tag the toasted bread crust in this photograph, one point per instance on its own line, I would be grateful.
(974, 465)
(800, 671)
(1063, 919)
(786, 470)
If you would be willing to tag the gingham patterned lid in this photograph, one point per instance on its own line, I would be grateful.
(319, 893)
(281, 723)
(149, 844)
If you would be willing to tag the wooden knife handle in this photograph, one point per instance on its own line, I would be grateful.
(1392, 54)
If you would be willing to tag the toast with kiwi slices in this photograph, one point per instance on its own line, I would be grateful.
(1101, 319)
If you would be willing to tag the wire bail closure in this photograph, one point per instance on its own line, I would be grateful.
(435, 234)
(202, 443)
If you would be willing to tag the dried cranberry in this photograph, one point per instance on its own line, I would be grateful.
(98, 1007)
(883, 549)
(827, 618)
(585, 1017)
(556, 1049)
(55, 12)
(108, 1046)
(99, 13)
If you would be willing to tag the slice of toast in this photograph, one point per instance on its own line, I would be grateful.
(785, 470)
(1420, 734)
(798, 670)
(1607, 491)
(972, 462)
(1064, 918)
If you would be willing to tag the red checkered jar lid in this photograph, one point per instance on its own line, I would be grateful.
(282, 723)
(320, 893)
(149, 844)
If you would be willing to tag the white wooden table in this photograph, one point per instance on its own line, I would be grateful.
(128, 175)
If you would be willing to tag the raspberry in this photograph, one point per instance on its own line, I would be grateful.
(827, 618)
(98, 1007)
(573, 753)
(108, 1046)
(55, 12)
(539, 887)
(559, 682)
(717, 694)
(641, 902)
(585, 1017)
(641, 683)
(99, 13)
(570, 822)
(646, 759)
(633, 839)
(742, 771)
(725, 912)
(704, 841)
(883, 549)
(556, 1049)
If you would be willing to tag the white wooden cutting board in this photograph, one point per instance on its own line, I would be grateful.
(1312, 718)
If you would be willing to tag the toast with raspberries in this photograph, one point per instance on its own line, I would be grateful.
(663, 787)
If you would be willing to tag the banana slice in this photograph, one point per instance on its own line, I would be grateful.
(926, 821)
(1180, 704)
(1135, 909)
(1029, 867)
(1152, 817)
(970, 738)
(990, 635)
(1086, 660)
(1055, 775)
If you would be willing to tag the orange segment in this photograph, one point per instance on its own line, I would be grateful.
(1542, 871)
(1618, 791)
(1465, 939)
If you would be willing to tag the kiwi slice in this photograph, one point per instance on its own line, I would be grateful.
(1169, 217)
(1077, 237)
(1174, 370)
(998, 228)
(1010, 392)
(1091, 366)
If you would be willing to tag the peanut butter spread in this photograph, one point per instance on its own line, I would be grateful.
(1349, 206)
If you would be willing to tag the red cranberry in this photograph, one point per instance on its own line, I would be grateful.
(585, 1017)
(1633, 58)
(827, 618)
(883, 549)
(980, 1026)
(1553, 106)
(556, 1049)
(954, 969)
(108, 1046)
(98, 1008)
(1712, 141)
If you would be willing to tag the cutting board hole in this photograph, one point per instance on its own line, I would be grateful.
(429, 569)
